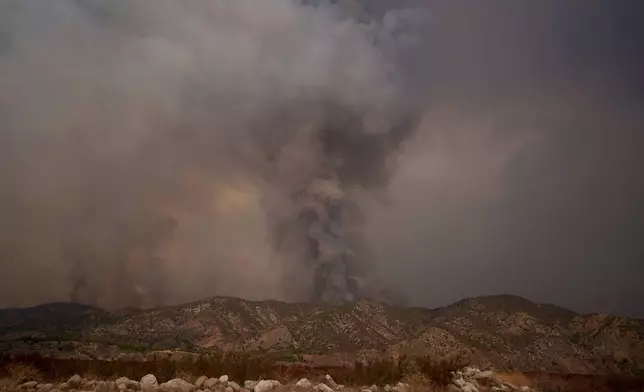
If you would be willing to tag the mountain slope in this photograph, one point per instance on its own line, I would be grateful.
(507, 332)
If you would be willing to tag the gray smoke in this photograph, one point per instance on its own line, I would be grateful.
(321, 231)
(155, 152)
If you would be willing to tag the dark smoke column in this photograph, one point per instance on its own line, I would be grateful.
(321, 230)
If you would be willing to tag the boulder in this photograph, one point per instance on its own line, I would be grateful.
(304, 383)
(250, 385)
(75, 381)
(223, 379)
(201, 381)
(328, 380)
(211, 383)
(45, 387)
(149, 382)
(323, 388)
(180, 385)
(122, 380)
(101, 386)
(29, 385)
(468, 387)
(234, 386)
(266, 385)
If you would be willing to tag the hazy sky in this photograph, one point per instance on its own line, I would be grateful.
(526, 175)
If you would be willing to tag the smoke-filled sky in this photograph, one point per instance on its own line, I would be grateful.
(143, 143)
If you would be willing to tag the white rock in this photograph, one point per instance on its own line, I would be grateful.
(453, 388)
(365, 390)
(201, 381)
(524, 388)
(234, 386)
(122, 380)
(470, 371)
(101, 386)
(328, 380)
(387, 388)
(228, 389)
(223, 379)
(304, 383)
(29, 384)
(469, 388)
(121, 387)
(266, 385)
(149, 382)
(250, 385)
(459, 382)
(75, 381)
(323, 388)
(211, 383)
(180, 385)
(374, 388)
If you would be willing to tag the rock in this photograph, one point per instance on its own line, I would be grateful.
(111, 385)
(228, 389)
(121, 387)
(89, 385)
(459, 382)
(244, 390)
(304, 383)
(75, 381)
(101, 386)
(149, 382)
(223, 379)
(29, 385)
(201, 381)
(180, 385)
(211, 383)
(328, 380)
(365, 390)
(453, 388)
(45, 387)
(64, 387)
(469, 388)
(488, 374)
(374, 388)
(323, 388)
(525, 388)
(234, 386)
(266, 385)
(250, 385)
(387, 388)
(502, 388)
(470, 371)
(122, 380)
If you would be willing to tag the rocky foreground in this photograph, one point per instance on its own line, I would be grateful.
(468, 380)
(504, 332)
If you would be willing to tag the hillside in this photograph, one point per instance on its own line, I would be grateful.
(505, 332)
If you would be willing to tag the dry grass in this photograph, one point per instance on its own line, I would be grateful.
(22, 372)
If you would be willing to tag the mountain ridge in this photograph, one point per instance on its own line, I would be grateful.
(503, 331)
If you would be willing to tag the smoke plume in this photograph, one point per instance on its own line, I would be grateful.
(158, 151)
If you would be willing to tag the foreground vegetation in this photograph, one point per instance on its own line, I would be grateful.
(424, 374)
